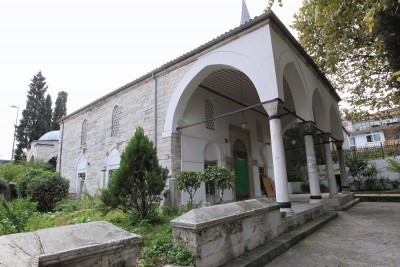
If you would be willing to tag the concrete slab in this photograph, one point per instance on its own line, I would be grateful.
(366, 235)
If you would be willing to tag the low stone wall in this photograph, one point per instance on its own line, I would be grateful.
(89, 244)
(220, 233)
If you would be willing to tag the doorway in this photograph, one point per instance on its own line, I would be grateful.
(240, 162)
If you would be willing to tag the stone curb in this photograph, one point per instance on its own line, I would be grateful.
(274, 248)
(348, 205)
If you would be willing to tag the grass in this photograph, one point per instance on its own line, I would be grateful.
(157, 248)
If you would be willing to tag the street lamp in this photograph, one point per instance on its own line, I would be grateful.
(15, 130)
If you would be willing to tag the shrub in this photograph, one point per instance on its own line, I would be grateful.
(44, 187)
(136, 185)
(220, 177)
(11, 172)
(3, 186)
(48, 191)
(14, 216)
(189, 181)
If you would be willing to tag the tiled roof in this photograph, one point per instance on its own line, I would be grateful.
(270, 16)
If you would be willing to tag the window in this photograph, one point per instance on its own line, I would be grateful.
(260, 134)
(84, 133)
(115, 121)
(209, 114)
(373, 137)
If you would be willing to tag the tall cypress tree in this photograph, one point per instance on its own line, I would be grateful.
(60, 110)
(33, 123)
(48, 113)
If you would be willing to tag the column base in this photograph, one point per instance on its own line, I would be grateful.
(345, 189)
(286, 207)
(315, 199)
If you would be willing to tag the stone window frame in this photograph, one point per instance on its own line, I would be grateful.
(84, 133)
(115, 120)
(209, 113)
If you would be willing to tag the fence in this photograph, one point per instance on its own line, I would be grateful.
(381, 151)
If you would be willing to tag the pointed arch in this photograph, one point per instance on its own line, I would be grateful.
(113, 161)
(335, 124)
(320, 113)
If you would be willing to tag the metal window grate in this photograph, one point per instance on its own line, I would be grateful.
(84, 133)
(209, 113)
(116, 115)
(260, 134)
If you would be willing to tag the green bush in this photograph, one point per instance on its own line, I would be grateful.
(220, 177)
(11, 172)
(136, 185)
(3, 186)
(44, 187)
(14, 216)
(189, 181)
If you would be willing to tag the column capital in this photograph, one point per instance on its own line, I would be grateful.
(339, 144)
(325, 137)
(307, 127)
(274, 108)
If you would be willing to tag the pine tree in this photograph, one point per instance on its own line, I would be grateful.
(48, 113)
(60, 110)
(33, 123)
(139, 180)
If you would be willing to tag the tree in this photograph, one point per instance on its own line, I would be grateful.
(338, 36)
(189, 181)
(356, 44)
(136, 185)
(60, 109)
(48, 113)
(220, 178)
(33, 123)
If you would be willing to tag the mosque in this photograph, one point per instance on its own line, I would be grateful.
(224, 103)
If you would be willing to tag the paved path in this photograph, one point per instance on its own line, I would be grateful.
(366, 235)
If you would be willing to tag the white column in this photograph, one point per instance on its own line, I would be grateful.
(274, 110)
(312, 168)
(333, 191)
(342, 167)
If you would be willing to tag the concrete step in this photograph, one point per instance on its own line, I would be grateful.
(274, 248)
(348, 205)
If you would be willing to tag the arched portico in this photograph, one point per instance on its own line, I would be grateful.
(266, 88)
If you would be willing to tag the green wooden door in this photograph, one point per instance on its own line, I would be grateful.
(242, 184)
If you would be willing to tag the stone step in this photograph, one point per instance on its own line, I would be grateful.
(348, 205)
(274, 248)
(378, 197)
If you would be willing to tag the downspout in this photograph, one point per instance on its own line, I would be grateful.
(61, 145)
(155, 110)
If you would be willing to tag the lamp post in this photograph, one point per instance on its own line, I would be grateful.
(15, 130)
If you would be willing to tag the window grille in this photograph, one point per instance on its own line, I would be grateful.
(260, 134)
(84, 133)
(209, 114)
(116, 115)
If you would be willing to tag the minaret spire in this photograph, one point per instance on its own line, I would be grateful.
(245, 13)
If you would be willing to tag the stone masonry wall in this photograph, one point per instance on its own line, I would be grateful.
(220, 233)
(137, 109)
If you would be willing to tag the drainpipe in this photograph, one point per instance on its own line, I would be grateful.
(61, 145)
(155, 109)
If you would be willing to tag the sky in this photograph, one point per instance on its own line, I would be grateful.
(92, 47)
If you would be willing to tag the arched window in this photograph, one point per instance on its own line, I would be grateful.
(116, 115)
(209, 114)
(84, 133)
